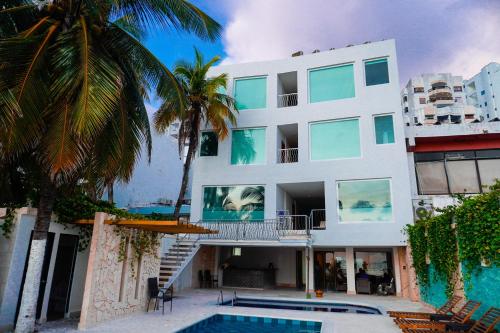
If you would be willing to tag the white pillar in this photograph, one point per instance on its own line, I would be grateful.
(310, 263)
(351, 274)
(217, 265)
(397, 273)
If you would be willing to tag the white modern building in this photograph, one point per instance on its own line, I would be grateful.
(309, 190)
(483, 91)
(434, 99)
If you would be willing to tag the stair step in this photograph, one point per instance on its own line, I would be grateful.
(166, 273)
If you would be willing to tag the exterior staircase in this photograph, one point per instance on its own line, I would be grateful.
(177, 258)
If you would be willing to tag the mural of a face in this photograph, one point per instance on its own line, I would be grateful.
(233, 202)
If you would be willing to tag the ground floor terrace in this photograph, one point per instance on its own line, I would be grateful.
(193, 305)
(306, 269)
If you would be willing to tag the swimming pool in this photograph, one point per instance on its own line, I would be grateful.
(245, 324)
(322, 306)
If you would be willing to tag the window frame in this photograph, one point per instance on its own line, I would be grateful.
(309, 70)
(242, 78)
(231, 146)
(375, 129)
(331, 121)
(365, 61)
(337, 182)
(201, 137)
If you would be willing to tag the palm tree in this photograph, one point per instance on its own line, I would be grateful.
(203, 101)
(73, 80)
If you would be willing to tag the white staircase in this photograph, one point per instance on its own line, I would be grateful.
(176, 259)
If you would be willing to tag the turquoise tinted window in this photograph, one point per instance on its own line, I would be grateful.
(326, 84)
(209, 144)
(335, 139)
(376, 72)
(384, 129)
(364, 200)
(233, 202)
(248, 146)
(250, 93)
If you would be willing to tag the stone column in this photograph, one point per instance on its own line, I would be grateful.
(414, 291)
(351, 274)
(397, 273)
(403, 270)
(91, 277)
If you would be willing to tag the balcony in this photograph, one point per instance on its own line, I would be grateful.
(287, 90)
(286, 100)
(290, 155)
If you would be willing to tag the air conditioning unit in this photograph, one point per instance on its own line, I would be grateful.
(422, 208)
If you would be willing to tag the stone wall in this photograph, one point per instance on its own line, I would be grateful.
(203, 260)
(114, 288)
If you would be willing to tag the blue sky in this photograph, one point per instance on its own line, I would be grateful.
(458, 36)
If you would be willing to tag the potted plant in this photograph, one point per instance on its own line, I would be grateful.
(319, 293)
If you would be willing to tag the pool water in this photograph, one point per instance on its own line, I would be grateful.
(301, 305)
(244, 324)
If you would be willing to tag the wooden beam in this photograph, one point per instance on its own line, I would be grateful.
(141, 222)
(84, 221)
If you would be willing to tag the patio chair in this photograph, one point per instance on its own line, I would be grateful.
(207, 277)
(438, 321)
(485, 324)
(363, 286)
(447, 308)
(159, 294)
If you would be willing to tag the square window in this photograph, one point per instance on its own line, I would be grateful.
(209, 144)
(345, 134)
(376, 72)
(384, 129)
(457, 88)
(431, 177)
(364, 200)
(462, 176)
(331, 83)
(418, 89)
(248, 146)
(250, 93)
(483, 92)
(421, 100)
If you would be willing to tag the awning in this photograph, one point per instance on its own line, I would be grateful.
(166, 227)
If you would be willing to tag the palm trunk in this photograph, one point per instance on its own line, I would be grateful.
(193, 143)
(27, 312)
(110, 191)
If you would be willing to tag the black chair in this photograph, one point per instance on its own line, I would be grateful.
(159, 294)
(200, 278)
(207, 277)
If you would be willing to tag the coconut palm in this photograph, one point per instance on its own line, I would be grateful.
(73, 80)
(203, 102)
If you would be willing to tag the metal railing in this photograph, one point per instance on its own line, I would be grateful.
(286, 100)
(268, 229)
(288, 155)
(318, 218)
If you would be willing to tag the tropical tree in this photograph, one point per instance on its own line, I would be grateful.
(73, 80)
(203, 102)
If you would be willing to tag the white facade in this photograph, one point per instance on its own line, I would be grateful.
(439, 98)
(290, 174)
(483, 91)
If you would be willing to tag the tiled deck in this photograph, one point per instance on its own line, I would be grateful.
(193, 305)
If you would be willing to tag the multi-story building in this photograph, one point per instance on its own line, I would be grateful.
(434, 99)
(483, 91)
(309, 190)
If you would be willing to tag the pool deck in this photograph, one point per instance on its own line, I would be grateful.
(193, 305)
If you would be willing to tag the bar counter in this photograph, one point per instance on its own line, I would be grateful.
(259, 278)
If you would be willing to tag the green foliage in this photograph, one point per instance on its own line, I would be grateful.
(467, 233)
(8, 222)
(478, 229)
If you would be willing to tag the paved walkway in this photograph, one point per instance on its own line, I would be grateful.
(193, 305)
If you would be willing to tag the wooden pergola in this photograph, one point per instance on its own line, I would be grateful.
(166, 227)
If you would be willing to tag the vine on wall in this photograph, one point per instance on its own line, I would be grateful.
(468, 233)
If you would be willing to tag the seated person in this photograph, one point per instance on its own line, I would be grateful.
(362, 274)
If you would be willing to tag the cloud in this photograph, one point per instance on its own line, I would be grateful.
(432, 36)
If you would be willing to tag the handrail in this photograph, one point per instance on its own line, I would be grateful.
(221, 298)
(285, 100)
(288, 155)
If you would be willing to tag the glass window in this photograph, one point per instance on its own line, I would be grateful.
(345, 134)
(373, 263)
(233, 202)
(376, 72)
(250, 93)
(418, 89)
(364, 200)
(248, 146)
(384, 129)
(462, 176)
(431, 177)
(422, 100)
(483, 92)
(326, 84)
(489, 171)
(209, 144)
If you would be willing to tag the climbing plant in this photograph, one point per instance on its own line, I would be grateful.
(8, 221)
(468, 233)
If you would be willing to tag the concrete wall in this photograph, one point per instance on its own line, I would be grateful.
(377, 161)
(112, 287)
(13, 256)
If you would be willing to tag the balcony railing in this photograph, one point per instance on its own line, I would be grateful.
(286, 100)
(264, 230)
(289, 155)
